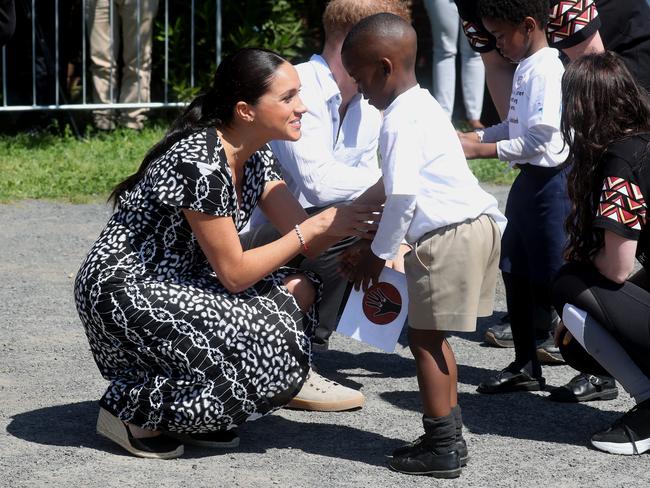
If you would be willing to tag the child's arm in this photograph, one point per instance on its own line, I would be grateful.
(481, 143)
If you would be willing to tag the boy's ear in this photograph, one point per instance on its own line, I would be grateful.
(244, 112)
(387, 66)
(530, 24)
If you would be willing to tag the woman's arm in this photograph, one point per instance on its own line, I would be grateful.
(322, 230)
(498, 76)
(238, 269)
(615, 261)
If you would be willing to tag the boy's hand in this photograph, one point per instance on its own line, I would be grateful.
(367, 271)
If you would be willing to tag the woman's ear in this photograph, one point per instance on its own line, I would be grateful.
(244, 112)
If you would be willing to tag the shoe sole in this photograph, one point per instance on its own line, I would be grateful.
(624, 449)
(186, 439)
(546, 357)
(514, 389)
(448, 474)
(316, 406)
(493, 341)
(599, 395)
(114, 429)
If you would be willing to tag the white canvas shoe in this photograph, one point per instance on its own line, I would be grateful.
(322, 395)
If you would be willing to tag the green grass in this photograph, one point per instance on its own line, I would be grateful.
(492, 171)
(61, 167)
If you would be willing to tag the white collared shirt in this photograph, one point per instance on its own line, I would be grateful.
(334, 160)
(426, 177)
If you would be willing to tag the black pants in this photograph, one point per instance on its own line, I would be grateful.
(624, 310)
(528, 303)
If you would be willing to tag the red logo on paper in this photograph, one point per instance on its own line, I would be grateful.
(382, 303)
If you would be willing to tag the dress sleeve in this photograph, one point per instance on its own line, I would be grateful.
(571, 22)
(194, 181)
(479, 38)
(272, 169)
(622, 207)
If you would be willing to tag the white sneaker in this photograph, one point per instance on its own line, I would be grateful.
(322, 395)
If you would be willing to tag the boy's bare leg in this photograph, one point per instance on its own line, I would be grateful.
(436, 370)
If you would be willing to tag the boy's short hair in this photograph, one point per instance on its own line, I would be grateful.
(515, 11)
(341, 15)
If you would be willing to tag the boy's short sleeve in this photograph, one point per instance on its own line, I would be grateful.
(622, 207)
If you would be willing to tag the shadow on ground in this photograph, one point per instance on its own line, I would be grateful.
(73, 425)
(521, 416)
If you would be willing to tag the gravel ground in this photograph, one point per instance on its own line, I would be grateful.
(49, 385)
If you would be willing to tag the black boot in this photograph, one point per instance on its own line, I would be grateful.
(433, 454)
(461, 445)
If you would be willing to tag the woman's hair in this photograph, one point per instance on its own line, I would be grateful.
(601, 103)
(244, 76)
(515, 11)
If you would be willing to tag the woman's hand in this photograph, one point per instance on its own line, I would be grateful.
(557, 333)
(343, 220)
(360, 265)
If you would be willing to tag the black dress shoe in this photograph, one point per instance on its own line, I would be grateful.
(585, 388)
(507, 381)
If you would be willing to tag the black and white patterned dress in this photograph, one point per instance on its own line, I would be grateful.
(181, 352)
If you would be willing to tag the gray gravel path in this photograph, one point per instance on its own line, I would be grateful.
(49, 385)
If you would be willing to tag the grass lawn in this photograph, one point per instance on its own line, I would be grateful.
(64, 168)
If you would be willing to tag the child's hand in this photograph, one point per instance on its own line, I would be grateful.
(471, 148)
(367, 271)
(468, 136)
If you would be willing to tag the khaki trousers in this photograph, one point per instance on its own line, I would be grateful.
(105, 42)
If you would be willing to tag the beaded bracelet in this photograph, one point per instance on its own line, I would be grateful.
(301, 238)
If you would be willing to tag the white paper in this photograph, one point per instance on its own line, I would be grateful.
(377, 316)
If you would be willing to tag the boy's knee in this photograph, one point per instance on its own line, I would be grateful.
(302, 289)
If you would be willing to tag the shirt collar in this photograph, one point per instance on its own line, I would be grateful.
(403, 97)
(325, 77)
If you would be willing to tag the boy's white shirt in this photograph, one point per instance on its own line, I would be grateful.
(427, 180)
(531, 133)
(334, 160)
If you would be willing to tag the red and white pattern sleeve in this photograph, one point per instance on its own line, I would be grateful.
(571, 22)
(622, 208)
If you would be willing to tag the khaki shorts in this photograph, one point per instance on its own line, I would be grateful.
(451, 275)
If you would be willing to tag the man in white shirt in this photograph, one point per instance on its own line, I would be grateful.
(334, 161)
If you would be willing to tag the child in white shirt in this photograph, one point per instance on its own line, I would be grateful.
(434, 202)
(530, 139)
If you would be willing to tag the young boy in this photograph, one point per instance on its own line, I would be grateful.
(538, 204)
(435, 203)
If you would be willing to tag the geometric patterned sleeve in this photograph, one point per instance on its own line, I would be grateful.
(622, 207)
(571, 22)
(272, 170)
(193, 180)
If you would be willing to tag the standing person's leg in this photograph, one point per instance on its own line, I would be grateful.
(473, 82)
(136, 76)
(445, 27)
(104, 46)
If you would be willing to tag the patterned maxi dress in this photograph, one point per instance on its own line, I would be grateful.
(181, 352)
